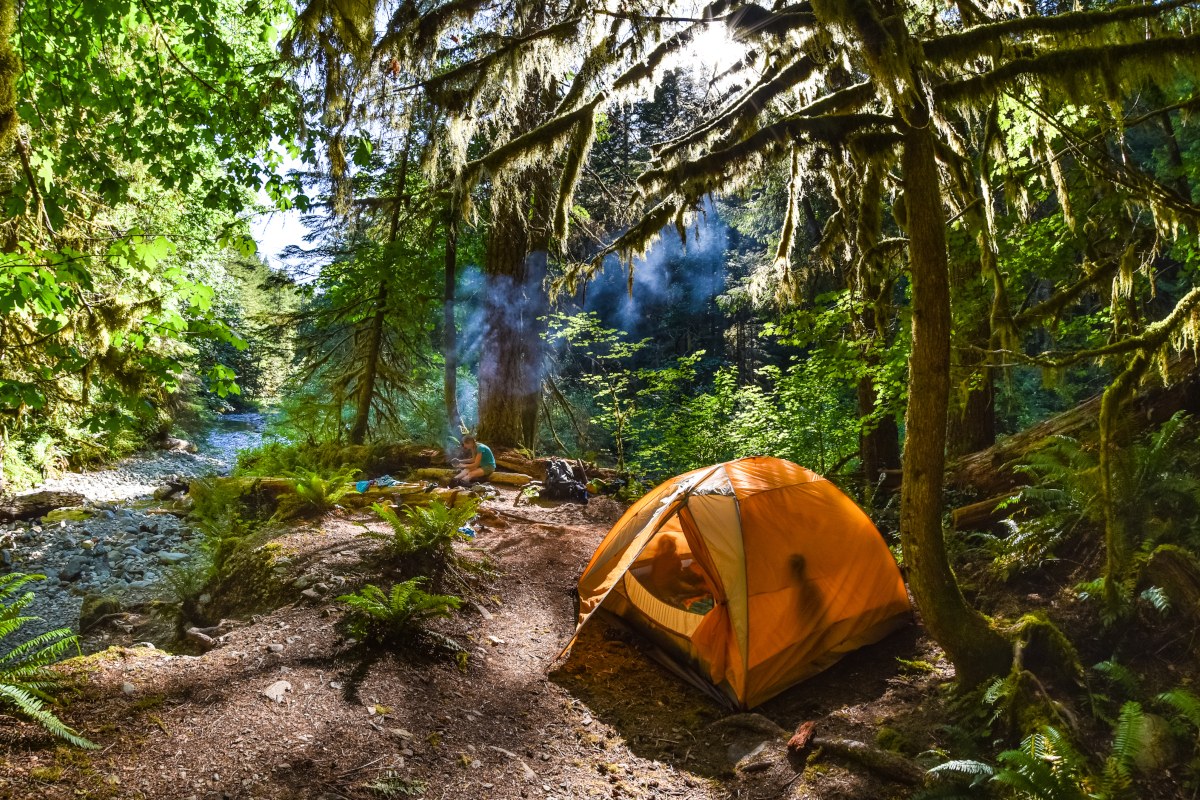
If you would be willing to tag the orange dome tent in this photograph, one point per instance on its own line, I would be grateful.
(748, 577)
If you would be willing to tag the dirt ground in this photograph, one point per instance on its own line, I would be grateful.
(605, 722)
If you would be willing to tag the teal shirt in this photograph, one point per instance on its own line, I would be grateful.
(486, 459)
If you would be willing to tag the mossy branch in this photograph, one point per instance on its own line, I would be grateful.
(985, 40)
(1073, 68)
(709, 173)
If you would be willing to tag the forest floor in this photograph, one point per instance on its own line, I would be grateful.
(605, 722)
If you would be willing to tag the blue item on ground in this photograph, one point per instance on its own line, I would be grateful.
(362, 486)
(468, 531)
(386, 480)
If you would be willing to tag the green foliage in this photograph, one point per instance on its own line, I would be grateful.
(402, 613)
(389, 784)
(660, 423)
(315, 492)
(1048, 767)
(435, 528)
(25, 678)
(1121, 676)
(1157, 496)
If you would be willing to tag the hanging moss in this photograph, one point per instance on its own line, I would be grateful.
(577, 154)
(989, 40)
(10, 71)
(734, 123)
(1078, 70)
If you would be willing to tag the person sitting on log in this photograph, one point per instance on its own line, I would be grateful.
(478, 465)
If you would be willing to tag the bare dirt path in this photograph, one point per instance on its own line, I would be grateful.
(607, 722)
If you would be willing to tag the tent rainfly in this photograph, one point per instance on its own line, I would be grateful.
(747, 577)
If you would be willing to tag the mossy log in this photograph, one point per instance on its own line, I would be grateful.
(37, 504)
(509, 459)
(985, 515)
(881, 762)
(1175, 572)
(511, 478)
(991, 472)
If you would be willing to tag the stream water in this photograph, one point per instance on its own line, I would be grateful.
(123, 550)
(232, 433)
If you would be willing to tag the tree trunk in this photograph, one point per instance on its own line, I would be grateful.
(976, 650)
(505, 386)
(879, 446)
(449, 332)
(366, 386)
(879, 443)
(972, 423)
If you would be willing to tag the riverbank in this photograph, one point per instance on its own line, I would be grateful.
(124, 545)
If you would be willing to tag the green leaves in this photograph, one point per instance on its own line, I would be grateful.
(25, 678)
(401, 613)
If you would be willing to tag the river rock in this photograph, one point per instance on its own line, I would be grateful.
(73, 569)
(171, 558)
(276, 691)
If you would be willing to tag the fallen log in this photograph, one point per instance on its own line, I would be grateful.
(37, 504)
(510, 478)
(986, 514)
(536, 467)
(991, 472)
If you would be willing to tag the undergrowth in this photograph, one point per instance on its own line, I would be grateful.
(26, 681)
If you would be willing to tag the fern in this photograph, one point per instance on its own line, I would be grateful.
(26, 679)
(1044, 767)
(1157, 598)
(978, 771)
(315, 492)
(433, 528)
(390, 784)
(399, 614)
(1120, 675)
(1185, 704)
(1127, 741)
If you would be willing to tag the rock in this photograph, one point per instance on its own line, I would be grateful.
(310, 594)
(163, 492)
(301, 582)
(202, 640)
(73, 569)
(128, 688)
(276, 691)
(37, 504)
(67, 514)
(171, 558)
(1156, 748)
(275, 648)
(95, 607)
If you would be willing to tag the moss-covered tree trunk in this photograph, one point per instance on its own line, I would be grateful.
(972, 645)
(449, 331)
(506, 387)
(972, 423)
(366, 385)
